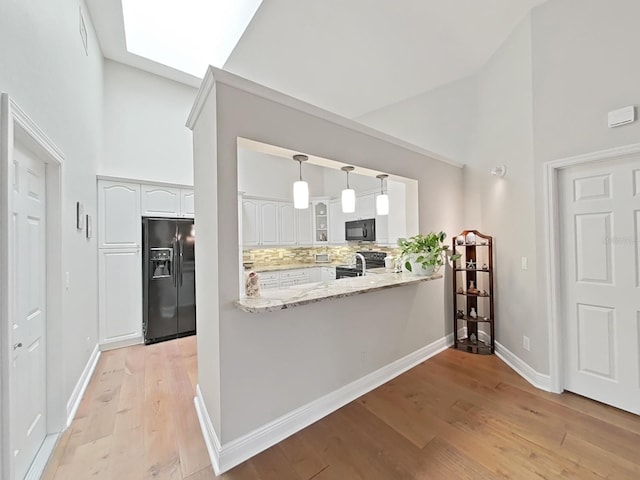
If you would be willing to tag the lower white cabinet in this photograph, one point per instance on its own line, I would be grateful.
(120, 296)
(327, 273)
(315, 274)
(287, 278)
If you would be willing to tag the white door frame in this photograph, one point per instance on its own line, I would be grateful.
(15, 124)
(555, 292)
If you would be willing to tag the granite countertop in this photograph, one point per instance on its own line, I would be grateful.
(275, 299)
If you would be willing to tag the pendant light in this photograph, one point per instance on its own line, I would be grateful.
(348, 194)
(382, 200)
(300, 188)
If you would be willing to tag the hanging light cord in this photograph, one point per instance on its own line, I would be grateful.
(347, 180)
(300, 163)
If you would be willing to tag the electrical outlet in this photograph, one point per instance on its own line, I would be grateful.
(524, 263)
(525, 343)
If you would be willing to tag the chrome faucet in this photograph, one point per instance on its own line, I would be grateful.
(364, 262)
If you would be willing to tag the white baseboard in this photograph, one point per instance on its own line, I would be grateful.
(135, 339)
(538, 380)
(228, 455)
(76, 396)
(42, 457)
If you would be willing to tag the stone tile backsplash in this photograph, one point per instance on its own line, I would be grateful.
(293, 255)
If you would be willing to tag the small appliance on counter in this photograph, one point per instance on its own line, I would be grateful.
(371, 258)
(323, 258)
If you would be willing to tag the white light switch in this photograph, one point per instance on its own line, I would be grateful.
(67, 280)
(524, 263)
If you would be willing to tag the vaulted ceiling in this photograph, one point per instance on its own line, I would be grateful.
(350, 57)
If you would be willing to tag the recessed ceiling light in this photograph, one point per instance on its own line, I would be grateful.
(188, 35)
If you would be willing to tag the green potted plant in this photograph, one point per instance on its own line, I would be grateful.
(425, 254)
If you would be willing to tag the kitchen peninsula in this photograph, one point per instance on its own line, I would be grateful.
(281, 298)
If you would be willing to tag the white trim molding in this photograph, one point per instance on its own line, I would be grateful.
(228, 455)
(81, 386)
(552, 250)
(537, 379)
(124, 341)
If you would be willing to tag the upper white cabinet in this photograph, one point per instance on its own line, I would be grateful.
(269, 223)
(274, 223)
(304, 226)
(119, 215)
(321, 227)
(336, 231)
(250, 222)
(366, 206)
(287, 224)
(161, 201)
(187, 203)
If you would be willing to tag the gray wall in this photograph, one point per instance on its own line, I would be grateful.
(43, 66)
(254, 368)
(543, 96)
(441, 120)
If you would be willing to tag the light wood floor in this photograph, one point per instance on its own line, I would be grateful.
(455, 416)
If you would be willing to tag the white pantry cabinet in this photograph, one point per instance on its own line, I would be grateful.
(119, 215)
(120, 296)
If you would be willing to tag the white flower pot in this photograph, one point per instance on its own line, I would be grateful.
(416, 268)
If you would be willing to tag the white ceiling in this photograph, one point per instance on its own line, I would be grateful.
(349, 56)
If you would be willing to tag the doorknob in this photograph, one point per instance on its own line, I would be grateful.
(17, 345)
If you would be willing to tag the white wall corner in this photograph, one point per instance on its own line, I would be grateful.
(224, 457)
(81, 386)
(211, 439)
(537, 379)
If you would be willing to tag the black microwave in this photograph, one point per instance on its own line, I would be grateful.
(360, 230)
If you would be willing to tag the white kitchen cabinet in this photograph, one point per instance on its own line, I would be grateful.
(119, 216)
(187, 203)
(366, 206)
(337, 219)
(160, 201)
(304, 226)
(327, 273)
(288, 227)
(251, 222)
(320, 208)
(315, 274)
(269, 222)
(120, 296)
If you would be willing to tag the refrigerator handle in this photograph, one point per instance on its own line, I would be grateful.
(181, 259)
(174, 273)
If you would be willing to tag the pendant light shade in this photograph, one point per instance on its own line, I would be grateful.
(382, 200)
(348, 194)
(300, 188)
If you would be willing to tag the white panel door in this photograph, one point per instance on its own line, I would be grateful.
(28, 322)
(600, 242)
(269, 223)
(120, 294)
(160, 201)
(187, 203)
(250, 222)
(287, 224)
(119, 215)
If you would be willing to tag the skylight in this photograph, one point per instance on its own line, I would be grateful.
(187, 35)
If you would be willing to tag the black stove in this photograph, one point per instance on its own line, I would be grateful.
(372, 259)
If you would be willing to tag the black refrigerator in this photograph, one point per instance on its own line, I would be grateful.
(168, 275)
